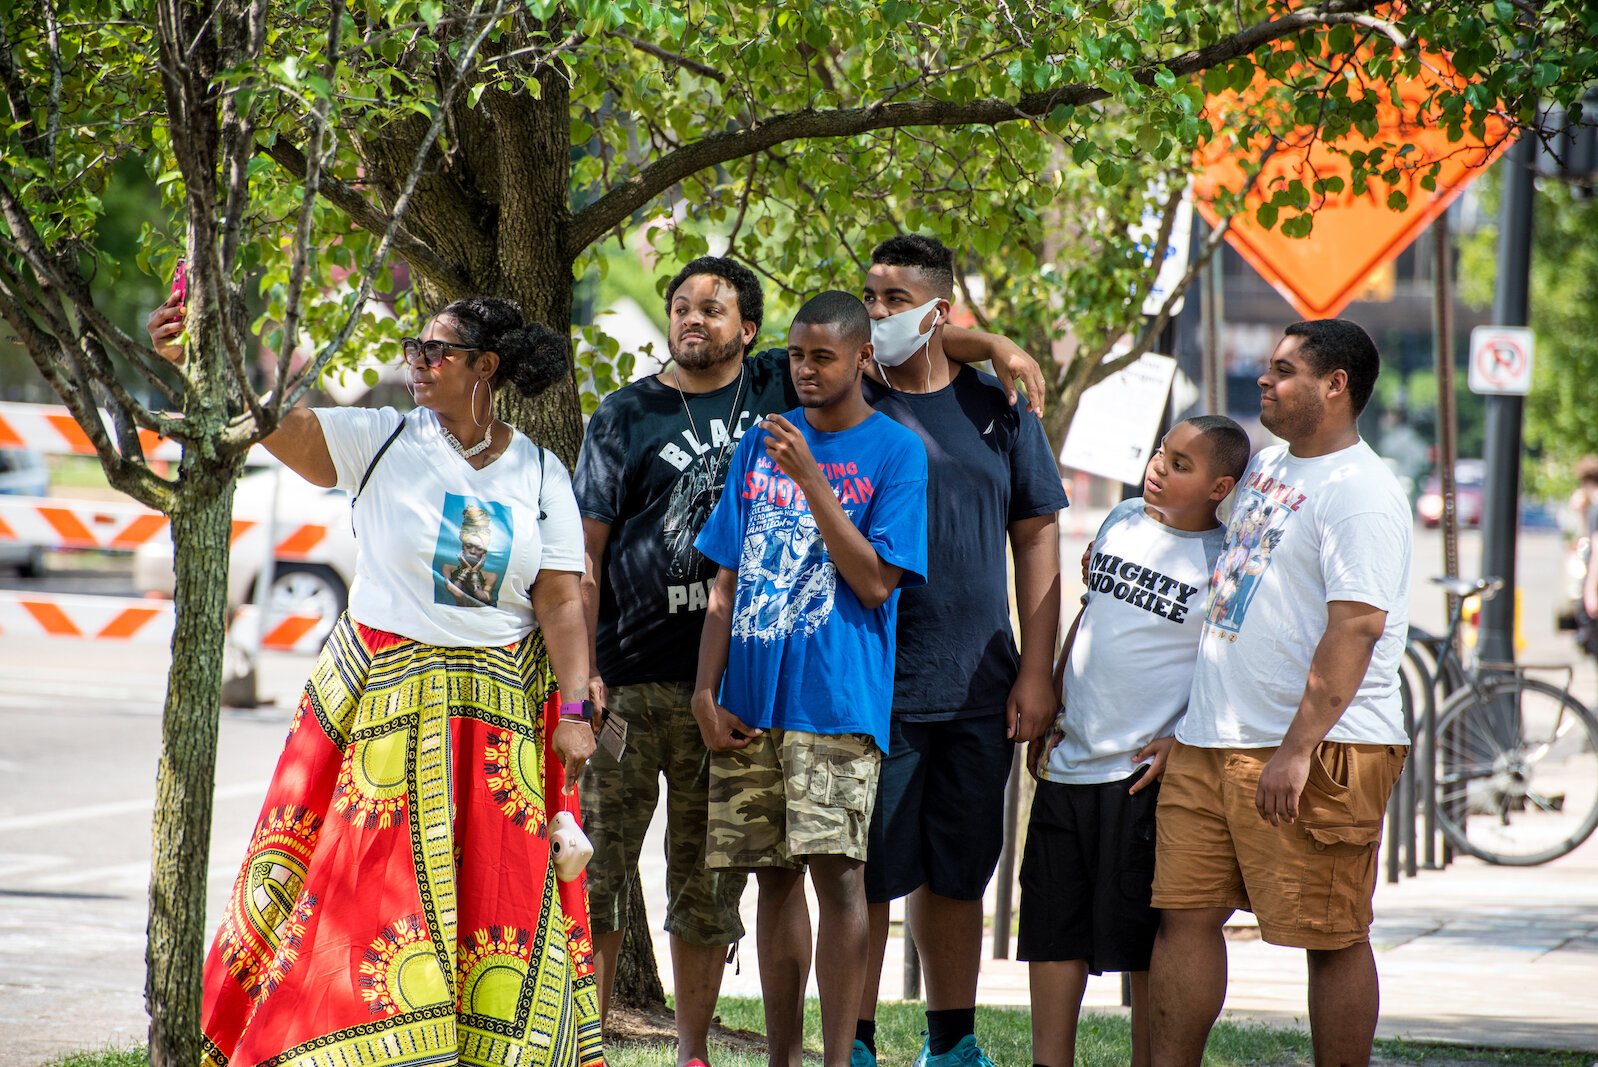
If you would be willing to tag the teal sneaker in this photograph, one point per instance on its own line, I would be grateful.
(964, 1054)
(860, 1056)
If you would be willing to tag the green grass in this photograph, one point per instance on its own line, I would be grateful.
(77, 472)
(124, 1057)
(1006, 1035)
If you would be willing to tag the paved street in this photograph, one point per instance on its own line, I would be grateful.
(1482, 954)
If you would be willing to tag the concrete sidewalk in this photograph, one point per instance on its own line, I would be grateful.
(1474, 954)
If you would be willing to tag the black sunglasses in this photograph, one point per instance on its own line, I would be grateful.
(432, 352)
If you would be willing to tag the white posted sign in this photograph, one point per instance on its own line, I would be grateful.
(1500, 360)
(1113, 432)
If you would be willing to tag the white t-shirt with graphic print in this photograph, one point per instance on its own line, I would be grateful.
(1131, 662)
(447, 554)
(1303, 532)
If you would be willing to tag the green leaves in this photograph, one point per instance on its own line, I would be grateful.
(1040, 208)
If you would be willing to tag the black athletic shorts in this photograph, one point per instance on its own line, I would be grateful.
(1087, 876)
(939, 819)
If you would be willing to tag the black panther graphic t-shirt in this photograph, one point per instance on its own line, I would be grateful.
(653, 471)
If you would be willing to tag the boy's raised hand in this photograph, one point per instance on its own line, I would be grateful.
(788, 449)
(1158, 753)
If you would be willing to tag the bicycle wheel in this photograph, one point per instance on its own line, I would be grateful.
(1516, 771)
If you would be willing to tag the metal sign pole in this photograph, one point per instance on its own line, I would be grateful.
(1447, 458)
(1501, 503)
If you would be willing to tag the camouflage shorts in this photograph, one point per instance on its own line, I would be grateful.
(789, 795)
(619, 800)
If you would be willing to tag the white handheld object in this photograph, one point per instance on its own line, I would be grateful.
(569, 847)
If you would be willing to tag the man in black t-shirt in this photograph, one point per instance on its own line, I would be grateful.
(963, 695)
(651, 469)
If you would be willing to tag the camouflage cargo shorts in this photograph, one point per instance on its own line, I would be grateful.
(789, 795)
(619, 800)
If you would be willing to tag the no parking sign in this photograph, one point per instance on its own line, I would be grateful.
(1500, 360)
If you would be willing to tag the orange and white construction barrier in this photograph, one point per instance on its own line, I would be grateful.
(105, 618)
(52, 522)
(55, 523)
(136, 621)
(51, 429)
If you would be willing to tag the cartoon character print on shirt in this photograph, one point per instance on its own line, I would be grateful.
(783, 565)
(1258, 524)
(473, 552)
(794, 581)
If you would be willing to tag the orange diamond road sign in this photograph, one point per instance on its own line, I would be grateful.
(1354, 234)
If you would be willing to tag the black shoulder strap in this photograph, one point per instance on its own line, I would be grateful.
(542, 514)
(369, 468)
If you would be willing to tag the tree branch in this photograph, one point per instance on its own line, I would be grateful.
(1151, 329)
(367, 216)
(17, 94)
(743, 205)
(290, 392)
(594, 221)
(691, 65)
(316, 162)
(47, 354)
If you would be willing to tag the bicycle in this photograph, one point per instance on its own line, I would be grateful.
(1512, 761)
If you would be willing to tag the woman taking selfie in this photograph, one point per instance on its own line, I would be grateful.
(398, 903)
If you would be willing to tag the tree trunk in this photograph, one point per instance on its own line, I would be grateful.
(531, 242)
(175, 953)
(638, 983)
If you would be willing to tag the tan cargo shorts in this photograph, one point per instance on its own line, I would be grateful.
(1310, 882)
(791, 794)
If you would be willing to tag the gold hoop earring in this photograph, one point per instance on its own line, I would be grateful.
(480, 425)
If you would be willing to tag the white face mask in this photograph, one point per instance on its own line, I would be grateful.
(898, 337)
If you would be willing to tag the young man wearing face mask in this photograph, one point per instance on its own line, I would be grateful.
(964, 695)
(652, 468)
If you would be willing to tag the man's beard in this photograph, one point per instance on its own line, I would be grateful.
(1298, 423)
(705, 356)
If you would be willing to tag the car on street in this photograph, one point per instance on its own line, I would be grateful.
(314, 581)
(23, 473)
(1470, 479)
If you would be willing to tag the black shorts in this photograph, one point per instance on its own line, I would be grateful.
(939, 819)
(1087, 876)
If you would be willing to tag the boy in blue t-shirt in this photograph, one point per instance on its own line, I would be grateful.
(824, 518)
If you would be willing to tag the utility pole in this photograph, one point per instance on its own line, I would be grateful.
(1511, 307)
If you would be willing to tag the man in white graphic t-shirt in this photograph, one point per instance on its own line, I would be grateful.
(1293, 738)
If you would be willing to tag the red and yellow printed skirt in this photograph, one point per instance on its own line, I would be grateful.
(397, 904)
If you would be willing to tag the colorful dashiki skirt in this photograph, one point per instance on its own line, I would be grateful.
(397, 905)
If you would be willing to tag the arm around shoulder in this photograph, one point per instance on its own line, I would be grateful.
(1011, 363)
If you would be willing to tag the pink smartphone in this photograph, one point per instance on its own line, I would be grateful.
(180, 281)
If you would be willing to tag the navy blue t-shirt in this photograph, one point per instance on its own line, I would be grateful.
(988, 464)
(805, 653)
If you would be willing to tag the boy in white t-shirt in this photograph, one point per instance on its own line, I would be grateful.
(1124, 675)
